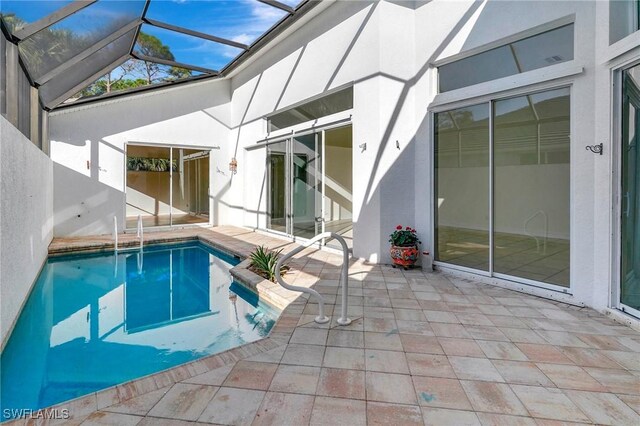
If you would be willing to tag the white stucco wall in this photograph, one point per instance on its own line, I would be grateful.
(95, 135)
(480, 23)
(26, 220)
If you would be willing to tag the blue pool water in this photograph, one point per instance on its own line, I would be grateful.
(93, 321)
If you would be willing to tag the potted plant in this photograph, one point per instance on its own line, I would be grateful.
(404, 246)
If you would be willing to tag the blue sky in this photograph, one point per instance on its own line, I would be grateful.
(239, 20)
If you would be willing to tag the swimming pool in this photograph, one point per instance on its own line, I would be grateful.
(94, 321)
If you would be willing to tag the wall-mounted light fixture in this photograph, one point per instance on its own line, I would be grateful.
(233, 166)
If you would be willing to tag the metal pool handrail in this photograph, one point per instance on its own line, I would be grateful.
(115, 234)
(344, 277)
(140, 233)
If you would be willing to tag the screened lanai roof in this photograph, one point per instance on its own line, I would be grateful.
(75, 49)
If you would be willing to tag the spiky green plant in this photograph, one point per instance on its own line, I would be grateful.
(264, 262)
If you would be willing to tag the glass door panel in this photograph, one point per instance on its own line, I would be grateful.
(630, 203)
(148, 185)
(462, 187)
(277, 170)
(338, 184)
(190, 184)
(531, 187)
(306, 185)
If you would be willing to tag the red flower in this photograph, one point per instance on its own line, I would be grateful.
(399, 227)
(413, 230)
(408, 228)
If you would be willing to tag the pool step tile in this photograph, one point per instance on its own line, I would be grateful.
(213, 378)
(331, 411)
(548, 403)
(441, 393)
(251, 375)
(387, 387)
(139, 405)
(444, 416)
(106, 418)
(295, 379)
(493, 398)
(231, 406)
(604, 408)
(184, 401)
(284, 409)
(382, 414)
(340, 383)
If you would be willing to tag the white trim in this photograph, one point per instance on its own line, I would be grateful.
(318, 123)
(163, 90)
(621, 47)
(534, 283)
(515, 286)
(310, 99)
(630, 310)
(615, 130)
(491, 183)
(483, 92)
(623, 318)
(530, 32)
(466, 269)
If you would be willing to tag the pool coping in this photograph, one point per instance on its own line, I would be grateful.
(267, 292)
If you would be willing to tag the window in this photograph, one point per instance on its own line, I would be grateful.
(541, 50)
(327, 105)
(623, 19)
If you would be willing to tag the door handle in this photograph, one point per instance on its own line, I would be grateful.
(319, 219)
(626, 201)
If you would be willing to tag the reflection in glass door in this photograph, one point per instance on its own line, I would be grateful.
(190, 186)
(309, 192)
(531, 187)
(306, 185)
(337, 206)
(462, 186)
(277, 187)
(166, 186)
(630, 191)
(148, 185)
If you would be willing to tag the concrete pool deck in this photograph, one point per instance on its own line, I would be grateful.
(423, 348)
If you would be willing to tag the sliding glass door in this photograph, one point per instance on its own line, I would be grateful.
(305, 193)
(166, 186)
(148, 189)
(462, 185)
(277, 172)
(294, 168)
(306, 185)
(630, 191)
(502, 187)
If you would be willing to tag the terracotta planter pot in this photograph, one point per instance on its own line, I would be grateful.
(404, 256)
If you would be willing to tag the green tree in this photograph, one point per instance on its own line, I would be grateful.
(152, 46)
(134, 73)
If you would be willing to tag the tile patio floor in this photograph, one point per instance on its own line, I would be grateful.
(423, 348)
